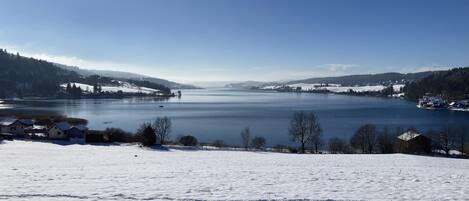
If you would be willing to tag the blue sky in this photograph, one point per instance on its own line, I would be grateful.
(197, 40)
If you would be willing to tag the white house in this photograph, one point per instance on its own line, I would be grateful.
(59, 131)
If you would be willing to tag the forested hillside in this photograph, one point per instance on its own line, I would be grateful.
(21, 76)
(27, 77)
(351, 80)
(127, 76)
(451, 84)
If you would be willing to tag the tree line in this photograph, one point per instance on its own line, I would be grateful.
(451, 84)
(306, 131)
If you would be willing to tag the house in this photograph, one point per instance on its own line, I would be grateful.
(77, 134)
(414, 143)
(37, 132)
(64, 131)
(58, 131)
(18, 127)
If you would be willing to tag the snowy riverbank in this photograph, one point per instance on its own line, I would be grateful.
(44, 171)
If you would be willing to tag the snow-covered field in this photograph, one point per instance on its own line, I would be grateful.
(123, 86)
(336, 88)
(44, 171)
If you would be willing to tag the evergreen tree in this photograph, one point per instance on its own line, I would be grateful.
(148, 135)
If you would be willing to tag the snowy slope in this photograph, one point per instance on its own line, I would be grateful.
(43, 171)
(123, 86)
(336, 88)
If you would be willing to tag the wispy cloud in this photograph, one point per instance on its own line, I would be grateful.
(339, 67)
(201, 73)
(432, 67)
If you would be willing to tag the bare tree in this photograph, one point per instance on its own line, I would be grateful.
(446, 139)
(305, 129)
(385, 142)
(462, 139)
(246, 137)
(315, 130)
(299, 130)
(364, 138)
(258, 142)
(162, 127)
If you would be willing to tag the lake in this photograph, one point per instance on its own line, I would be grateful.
(211, 114)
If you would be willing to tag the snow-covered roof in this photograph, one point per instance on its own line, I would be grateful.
(39, 127)
(408, 135)
(63, 126)
(27, 122)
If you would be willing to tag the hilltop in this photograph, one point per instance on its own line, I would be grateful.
(348, 80)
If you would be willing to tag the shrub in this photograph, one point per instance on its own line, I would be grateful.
(258, 142)
(218, 143)
(147, 134)
(119, 135)
(188, 140)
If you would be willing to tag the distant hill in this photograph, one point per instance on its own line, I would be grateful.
(21, 76)
(451, 84)
(249, 84)
(348, 80)
(127, 75)
(28, 77)
(366, 79)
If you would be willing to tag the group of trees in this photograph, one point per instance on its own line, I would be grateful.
(157, 131)
(305, 129)
(450, 138)
(248, 142)
(21, 76)
(368, 139)
(73, 91)
(451, 84)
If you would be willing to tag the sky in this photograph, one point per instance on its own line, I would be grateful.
(235, 40)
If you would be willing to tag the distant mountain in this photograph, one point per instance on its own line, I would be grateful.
(250, 84)
(451, 84)
(366, 79)
(127, 75)
(348, 80)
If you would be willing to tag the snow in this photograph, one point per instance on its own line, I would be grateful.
(398, 87)
(336, 88)
(46, 171)
(408, 135)
(123, 86)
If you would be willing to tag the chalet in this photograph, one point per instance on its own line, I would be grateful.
(77, 134)
(58, 131)
(37, 132)
(64, 131)
(414, 143)
(18, 127)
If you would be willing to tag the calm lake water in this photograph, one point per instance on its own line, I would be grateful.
(212, 114)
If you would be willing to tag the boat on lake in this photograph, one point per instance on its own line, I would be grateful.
(462, 105)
